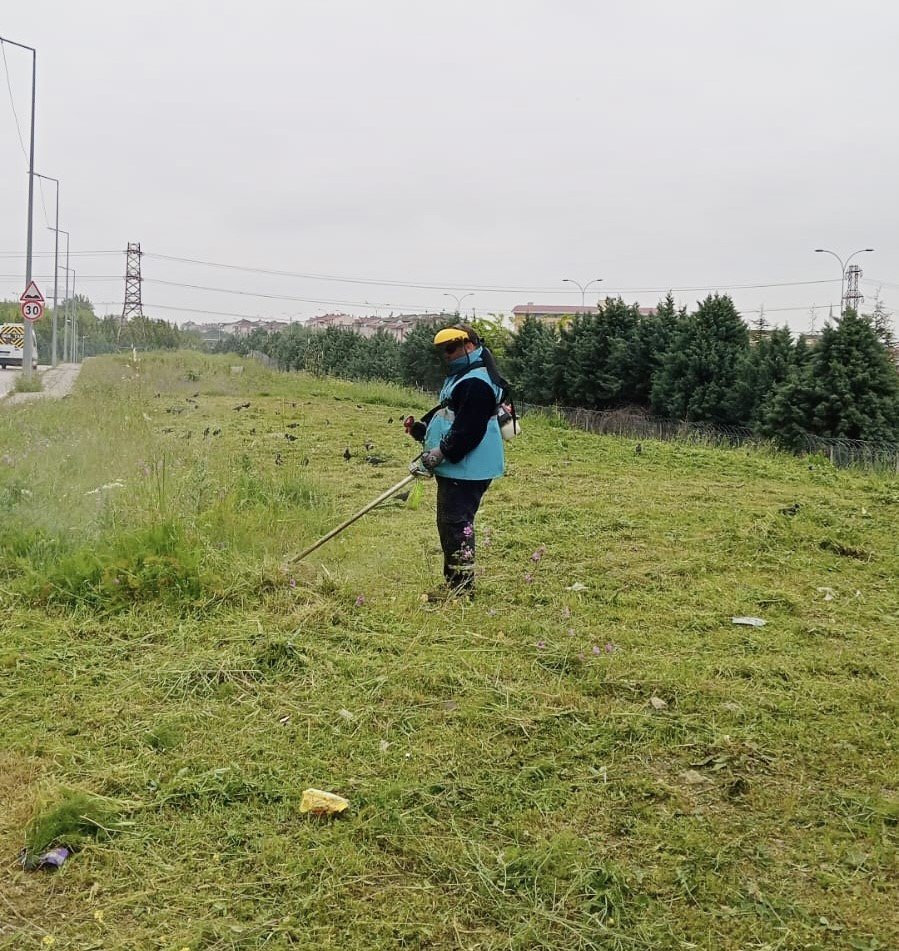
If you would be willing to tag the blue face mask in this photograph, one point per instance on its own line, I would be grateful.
(464, 359)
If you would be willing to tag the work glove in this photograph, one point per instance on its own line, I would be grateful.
(415, 428)
(431, 459)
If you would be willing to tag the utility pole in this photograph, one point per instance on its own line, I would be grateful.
(73, 337)
(49, 178)
(28, 349)
(60, 231)
(65, 312)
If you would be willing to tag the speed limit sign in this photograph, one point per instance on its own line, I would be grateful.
(31, 303)
(32, 309)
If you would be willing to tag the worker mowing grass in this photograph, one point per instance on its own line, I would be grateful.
(463, 448)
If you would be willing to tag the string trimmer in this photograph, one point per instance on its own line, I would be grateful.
(415, 472)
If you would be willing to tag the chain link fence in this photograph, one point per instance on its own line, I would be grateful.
(840, 452)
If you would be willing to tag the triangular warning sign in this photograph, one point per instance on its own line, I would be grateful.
(32, 295)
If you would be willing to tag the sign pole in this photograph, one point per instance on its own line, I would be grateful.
(28, 349)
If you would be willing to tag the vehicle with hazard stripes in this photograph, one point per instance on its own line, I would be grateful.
(12, 345)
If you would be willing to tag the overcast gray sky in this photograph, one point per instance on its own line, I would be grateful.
(467, 145)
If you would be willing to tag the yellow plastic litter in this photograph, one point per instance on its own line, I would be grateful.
(320, 803)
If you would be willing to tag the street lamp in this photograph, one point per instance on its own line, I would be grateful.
(28, 347)
(459, 300)
(65, 347)
(843, 266)
(583, 287)
(74, 337)
(49, 178)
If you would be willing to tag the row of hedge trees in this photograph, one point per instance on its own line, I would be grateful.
(704, 366)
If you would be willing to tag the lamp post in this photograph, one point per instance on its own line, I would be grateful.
(74, 337)
(459, 300)
(65, 338)
(843, 266)
(583, 287)
(27, 350)
(60, 231)
(49, 178)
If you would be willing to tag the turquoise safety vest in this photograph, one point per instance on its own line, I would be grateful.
(487, 459)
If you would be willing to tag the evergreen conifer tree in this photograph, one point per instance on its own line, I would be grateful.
(529, 359)
(597, 360)
(656, 332)
(421, 364)
(699, 375)
(766, 366)
(855, 384)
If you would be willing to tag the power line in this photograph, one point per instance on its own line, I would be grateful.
(196, 310)
(301, 300)
(873, 280)
(40, 185)
(484, 288)
(49, 254)
(612, 291)
(85, 277)
(12, 102)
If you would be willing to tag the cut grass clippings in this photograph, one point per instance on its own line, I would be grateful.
(589, 755)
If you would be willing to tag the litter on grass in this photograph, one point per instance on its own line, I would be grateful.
(52, 859)
(749, 621)
(319, 803)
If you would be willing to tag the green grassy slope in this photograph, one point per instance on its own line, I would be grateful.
(613, 767)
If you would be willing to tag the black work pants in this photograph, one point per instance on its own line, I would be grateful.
(457, 505)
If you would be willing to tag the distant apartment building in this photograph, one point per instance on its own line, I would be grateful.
(554, 314)
(242, 328)
(323, 321)
(396, 325)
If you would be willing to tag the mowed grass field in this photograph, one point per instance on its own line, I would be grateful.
(590, 755)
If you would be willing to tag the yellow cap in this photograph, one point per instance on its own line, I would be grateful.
(450, 333)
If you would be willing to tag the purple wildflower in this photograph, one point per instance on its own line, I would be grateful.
(468, 530)
(596, 649)
(293, 582)
(571, 632)
(566, 612)
(610, 648)
(360, 600)
(541, 645)
(538, 554)
(528, 578)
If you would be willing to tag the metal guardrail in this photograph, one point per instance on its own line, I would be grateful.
(840, 452)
